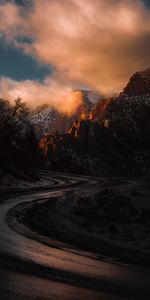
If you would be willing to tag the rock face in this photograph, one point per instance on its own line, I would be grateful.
(139, 84)
(111, 140)
(49, 120)
(100, 108)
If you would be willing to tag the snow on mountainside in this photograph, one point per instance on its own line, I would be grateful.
(128, 117)
(44, 121)
(135, 94)
(112, 140)
(49, 120)
(91, 105)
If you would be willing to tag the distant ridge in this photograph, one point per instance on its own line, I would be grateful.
(139, 83)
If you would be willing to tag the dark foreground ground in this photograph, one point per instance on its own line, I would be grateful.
(62, 242)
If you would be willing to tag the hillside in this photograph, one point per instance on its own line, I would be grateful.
(47, 120)
(113, 139)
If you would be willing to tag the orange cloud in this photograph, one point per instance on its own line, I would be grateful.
(97, 43)
(52, 91)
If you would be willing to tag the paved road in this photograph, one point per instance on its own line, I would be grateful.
(29, 269)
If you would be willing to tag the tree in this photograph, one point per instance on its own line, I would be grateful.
(17, 137)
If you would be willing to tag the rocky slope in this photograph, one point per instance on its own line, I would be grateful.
(47, 120)
(138, 84)
(113, 139)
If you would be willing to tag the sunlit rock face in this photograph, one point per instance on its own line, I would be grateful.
(139, 83)
(100, 108)
(85, 100)
(48, 120)
(110, 140)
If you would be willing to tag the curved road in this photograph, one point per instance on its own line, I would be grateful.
(30, 269)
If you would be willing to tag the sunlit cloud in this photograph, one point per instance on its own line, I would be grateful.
(97, 43)
(53, 91)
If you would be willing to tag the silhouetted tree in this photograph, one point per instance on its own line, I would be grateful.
(18, 144)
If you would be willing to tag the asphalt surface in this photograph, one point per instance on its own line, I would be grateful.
(30, 269)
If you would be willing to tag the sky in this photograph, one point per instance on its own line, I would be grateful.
(50, 47)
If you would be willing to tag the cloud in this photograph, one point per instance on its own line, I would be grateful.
(11, 21)
(53, 91)
(97, 43)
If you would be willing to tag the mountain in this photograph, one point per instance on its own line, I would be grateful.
(112, 140)
(139, 83)
(47, 120)
(100, 108)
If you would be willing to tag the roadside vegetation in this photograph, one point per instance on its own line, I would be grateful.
(19, 152)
